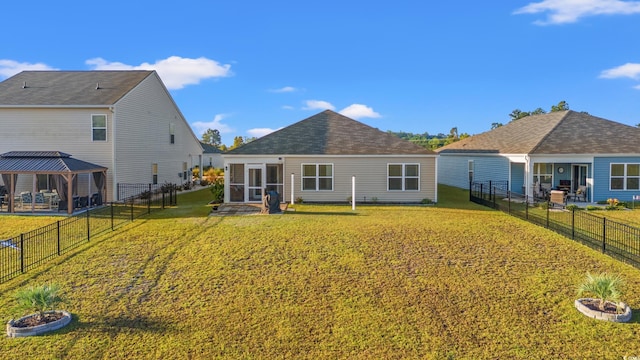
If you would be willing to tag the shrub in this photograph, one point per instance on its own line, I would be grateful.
(299, 200)
(217, 190)
(543, 205)
(572, 207)
(204, 182)
(592, 208)
(605, 287)
(38, 299)
(426, 201)
(213, 174)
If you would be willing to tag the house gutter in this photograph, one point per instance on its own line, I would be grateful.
(113, 156)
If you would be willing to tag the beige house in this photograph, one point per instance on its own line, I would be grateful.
(125, 121)
(317, 160)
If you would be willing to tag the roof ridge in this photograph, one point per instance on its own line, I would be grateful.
(550, 131)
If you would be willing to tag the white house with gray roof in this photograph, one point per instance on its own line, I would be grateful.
(564, 150)
(125, 121)
(316, 159)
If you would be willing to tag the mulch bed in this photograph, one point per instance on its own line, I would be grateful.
(609, 308)
(35, 320)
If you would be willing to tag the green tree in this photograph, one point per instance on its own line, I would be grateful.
(237, 141)
(562, 105)
(38, 299)
(211, 137)
(495, 125)
(518, 114)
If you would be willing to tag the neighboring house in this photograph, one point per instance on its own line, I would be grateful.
(125, 121)
(315, 160)
(565, 150)
(211, 156)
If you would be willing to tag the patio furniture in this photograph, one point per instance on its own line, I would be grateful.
(558, 197)
(581, 193)
(25, 198)
(40, 201)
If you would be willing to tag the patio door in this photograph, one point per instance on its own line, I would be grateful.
(255, 175)
(579, 176)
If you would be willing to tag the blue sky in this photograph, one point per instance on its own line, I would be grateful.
(250, 67)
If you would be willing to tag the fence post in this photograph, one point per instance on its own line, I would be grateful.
(490, 188)
(149, 201)
(88, 226)
(175, 189)
(112, 216)
(548, 206)
(604, 235)
(162, 191)
(22, 251)
(573, 224)
(526, 207)
(509, 199)
(131, 209)
(494, 198)
(58, 235)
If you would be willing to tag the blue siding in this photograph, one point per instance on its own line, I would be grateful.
(453, 170)
(517, 177)
(601, 177)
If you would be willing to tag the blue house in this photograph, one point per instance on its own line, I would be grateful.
(588, 157)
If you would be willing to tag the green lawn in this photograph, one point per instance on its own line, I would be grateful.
(455, 280)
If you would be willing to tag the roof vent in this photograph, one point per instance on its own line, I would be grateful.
(24, 85)
(97, 86)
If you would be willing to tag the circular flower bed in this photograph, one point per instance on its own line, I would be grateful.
(589, 307)
(30, 325)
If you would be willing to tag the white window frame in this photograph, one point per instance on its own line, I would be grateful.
(404, 176)
(317, 176)
(93, 128)
(624, 177)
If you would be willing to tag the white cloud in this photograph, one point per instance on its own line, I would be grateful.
(9, 68)
(176, 72)
(199, 127)
(285, 89)
(569, 11)
(287, 107)
(359, 111)
(637, 87)
(318, 105)
(628, 70)
(260, 132)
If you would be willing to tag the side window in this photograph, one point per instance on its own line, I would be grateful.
(172, 133)
(154, 173)
(99, 127)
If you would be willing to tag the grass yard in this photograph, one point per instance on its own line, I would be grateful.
(452, 281)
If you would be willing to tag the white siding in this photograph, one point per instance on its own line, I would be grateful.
(371, 179)
(142, 122)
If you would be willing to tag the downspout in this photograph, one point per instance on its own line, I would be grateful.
(114, 176)
(527, 174)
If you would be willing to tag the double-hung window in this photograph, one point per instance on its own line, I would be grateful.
(625, 177)
(99, 127)
(317, 177)
(403, 177)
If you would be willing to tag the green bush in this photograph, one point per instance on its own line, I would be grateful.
(605, 287)
(38, 299)
(592, 208)
(217, 190)
(572, 207)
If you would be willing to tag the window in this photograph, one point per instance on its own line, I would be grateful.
(172, 133)
(625, 177)
(317, 177)
(154, 173)
(99, 127)
(543, 173)
(236, 182)
(403, 177)
(184, 171)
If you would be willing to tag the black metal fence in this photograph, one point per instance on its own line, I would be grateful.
(26, 251)
(618, 240)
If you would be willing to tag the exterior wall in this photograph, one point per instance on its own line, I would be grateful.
(56, 129)
(214, 160)
(142, 127)
(453, 169)
(371, 179)
(601, 178)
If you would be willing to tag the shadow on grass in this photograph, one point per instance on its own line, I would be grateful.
(341, 213)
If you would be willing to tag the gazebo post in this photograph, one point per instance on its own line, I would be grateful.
(70, 204)
(12, 192)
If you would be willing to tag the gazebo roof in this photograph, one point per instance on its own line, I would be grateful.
(44, 162)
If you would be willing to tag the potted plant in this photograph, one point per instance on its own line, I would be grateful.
(41, 299)
(606, 304)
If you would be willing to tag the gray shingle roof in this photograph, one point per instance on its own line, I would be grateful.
(210, 149)
(43, 162)
(563, 132)
(330, 133)
(68, 88)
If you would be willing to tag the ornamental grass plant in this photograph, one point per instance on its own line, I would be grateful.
(455, 280)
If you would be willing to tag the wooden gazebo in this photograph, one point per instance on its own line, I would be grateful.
(61, 168)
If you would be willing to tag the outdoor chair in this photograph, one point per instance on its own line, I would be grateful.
(40, 200)
(25, 199)
(581, 193)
